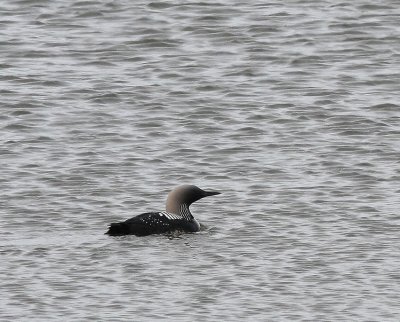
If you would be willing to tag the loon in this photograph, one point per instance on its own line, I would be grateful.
(177, 216)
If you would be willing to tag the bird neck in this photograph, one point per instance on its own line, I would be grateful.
(179, 209)
(185, 212)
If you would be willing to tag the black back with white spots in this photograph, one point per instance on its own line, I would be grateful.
(153, 223)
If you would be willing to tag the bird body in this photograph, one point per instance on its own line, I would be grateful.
(177, 216)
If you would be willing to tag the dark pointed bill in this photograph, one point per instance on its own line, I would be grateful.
(211, 193)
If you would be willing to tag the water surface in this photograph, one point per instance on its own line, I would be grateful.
(290, 109)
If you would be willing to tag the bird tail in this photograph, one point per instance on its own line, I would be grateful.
(118, 229)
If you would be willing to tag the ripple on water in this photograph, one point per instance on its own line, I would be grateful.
(289, 109)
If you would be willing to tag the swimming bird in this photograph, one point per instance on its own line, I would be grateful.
(177, 216)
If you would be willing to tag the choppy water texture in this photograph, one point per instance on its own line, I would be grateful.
(290, 108)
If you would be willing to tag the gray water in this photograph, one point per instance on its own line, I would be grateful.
(289, 108)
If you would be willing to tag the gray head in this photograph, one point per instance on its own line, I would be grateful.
(185, 195)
